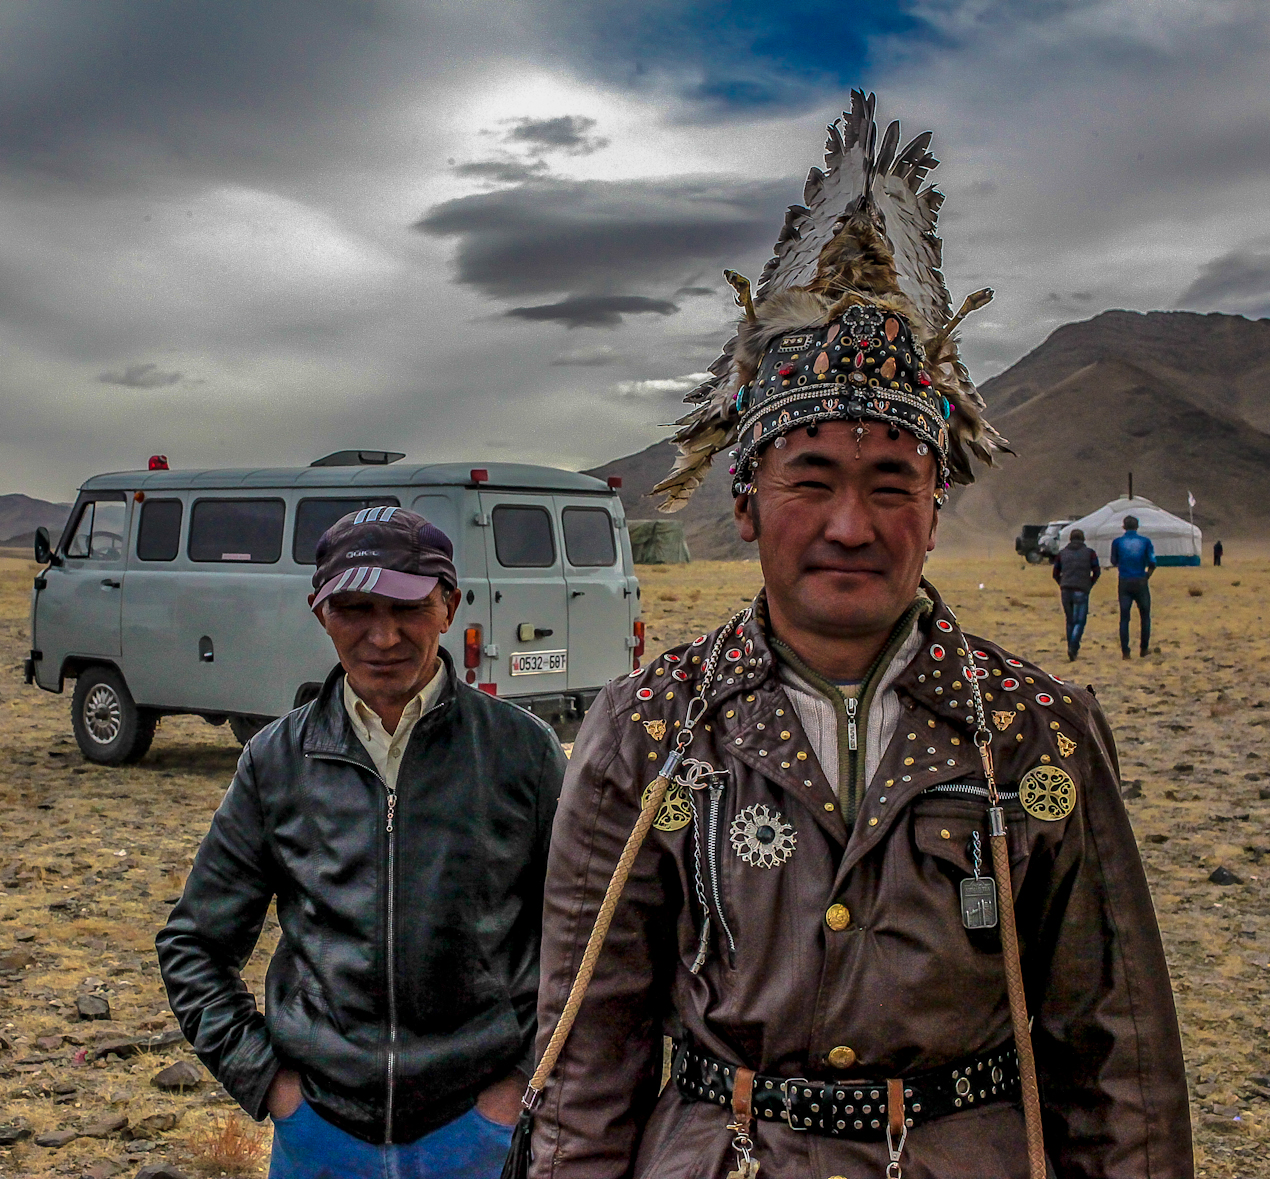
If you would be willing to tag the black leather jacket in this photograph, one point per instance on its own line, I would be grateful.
(406, 975)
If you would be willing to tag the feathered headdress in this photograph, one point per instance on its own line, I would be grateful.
(851, 319)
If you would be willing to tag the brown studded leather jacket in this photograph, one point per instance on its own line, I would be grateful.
(826, 946)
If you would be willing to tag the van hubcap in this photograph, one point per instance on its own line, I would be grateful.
(102, 714)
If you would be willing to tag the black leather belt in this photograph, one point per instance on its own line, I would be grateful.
(854, 1107)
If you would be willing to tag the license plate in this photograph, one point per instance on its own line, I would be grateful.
(539, 662)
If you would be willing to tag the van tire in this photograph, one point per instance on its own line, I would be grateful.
(109, 727)
(245, 728)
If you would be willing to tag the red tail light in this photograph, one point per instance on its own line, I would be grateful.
(472, 647)
(638, 653)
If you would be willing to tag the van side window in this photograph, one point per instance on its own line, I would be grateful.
(246, 530)
(159, 534)
(99, 531)
(522, 537)
(588, 536)
(314, 516)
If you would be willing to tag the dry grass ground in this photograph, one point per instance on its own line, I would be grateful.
(90, 858)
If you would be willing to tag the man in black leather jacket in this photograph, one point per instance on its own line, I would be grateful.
(401, 820)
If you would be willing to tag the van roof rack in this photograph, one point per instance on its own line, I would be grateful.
(358, 458)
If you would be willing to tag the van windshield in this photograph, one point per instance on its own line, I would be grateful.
(98, 534)
(314, 516)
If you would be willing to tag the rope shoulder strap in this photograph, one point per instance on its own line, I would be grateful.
(517, 1166)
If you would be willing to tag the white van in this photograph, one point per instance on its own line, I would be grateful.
(184, 591)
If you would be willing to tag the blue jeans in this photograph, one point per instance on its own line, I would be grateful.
(306, 1146)
(1135, 589)
(1076, 609)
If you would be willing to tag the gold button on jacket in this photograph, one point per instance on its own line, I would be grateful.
(842, 1057)
(837, 917)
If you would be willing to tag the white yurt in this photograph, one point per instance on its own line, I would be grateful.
(1177, 542)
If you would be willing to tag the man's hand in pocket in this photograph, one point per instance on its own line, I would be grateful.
(501, 1101)
(284, 1096)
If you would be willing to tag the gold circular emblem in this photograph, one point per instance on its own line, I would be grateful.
(1047, 792)
(675, 811)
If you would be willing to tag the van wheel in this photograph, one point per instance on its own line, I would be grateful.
(245, 728)
(109, 728)
(1034, 557)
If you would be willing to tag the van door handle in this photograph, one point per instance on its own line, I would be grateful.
(110, 583)
(577, 593)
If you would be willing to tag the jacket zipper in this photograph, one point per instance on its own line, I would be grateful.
(712, 859)
(855, 765)
(968, 789)
(392, 964)
(391, 929)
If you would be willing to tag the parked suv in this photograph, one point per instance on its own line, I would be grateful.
(1050, 540)
(184, 591)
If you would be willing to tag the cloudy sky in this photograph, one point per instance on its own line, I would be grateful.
(253, 233)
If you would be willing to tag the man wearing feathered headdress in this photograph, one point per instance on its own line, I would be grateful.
(891, 886)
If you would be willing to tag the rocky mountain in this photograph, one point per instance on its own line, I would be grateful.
(20, 516)
(1182, 400)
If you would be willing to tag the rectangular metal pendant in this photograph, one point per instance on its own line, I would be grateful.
(979, 902)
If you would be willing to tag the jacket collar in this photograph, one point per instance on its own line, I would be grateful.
(750, 658)
(938, 676)
(328, 729)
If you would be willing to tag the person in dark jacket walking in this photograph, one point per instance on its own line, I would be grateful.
(1218, 549)
(1076, 570)
(1134, 556)
(401, 820)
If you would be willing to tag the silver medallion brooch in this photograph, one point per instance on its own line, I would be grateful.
(762, 838)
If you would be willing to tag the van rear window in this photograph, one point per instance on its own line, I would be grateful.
(159, 536)
(588, 536)
(522, 537)
(314, 516)
(246, 531)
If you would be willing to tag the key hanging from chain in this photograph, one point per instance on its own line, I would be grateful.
(978, 893)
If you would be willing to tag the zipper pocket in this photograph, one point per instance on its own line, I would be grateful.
(969, 790)
(712, 858)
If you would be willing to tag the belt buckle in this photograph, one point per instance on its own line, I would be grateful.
(789, 1113)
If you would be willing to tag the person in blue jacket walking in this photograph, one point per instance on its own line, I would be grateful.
(1134, 556)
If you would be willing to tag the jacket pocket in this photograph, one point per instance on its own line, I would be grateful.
(948, 836)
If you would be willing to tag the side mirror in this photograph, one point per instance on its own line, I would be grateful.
(43, 546)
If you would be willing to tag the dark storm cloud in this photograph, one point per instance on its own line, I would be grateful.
(141, 376)
(568, 133)
(90, 90)
(594, 310)
(503, 171)
(570, 235)
(1238, 281)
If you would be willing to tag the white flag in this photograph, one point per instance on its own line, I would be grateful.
(1190, 499)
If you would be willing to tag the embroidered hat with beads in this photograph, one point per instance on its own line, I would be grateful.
(387, 551)
(851, 321)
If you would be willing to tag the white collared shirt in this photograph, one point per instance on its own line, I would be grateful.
(387, 749)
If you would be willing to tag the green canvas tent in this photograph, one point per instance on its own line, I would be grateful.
(658, 542)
